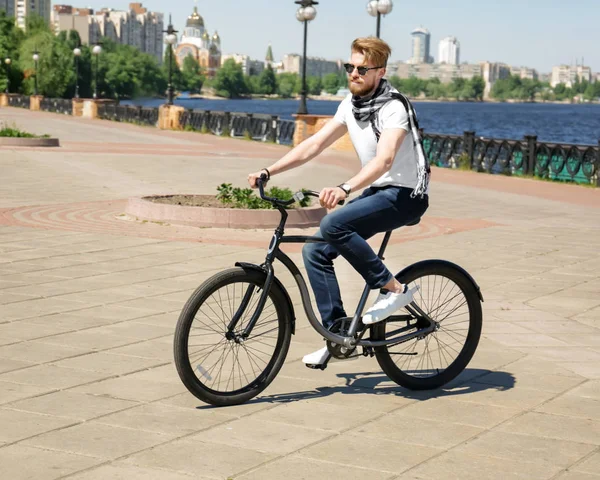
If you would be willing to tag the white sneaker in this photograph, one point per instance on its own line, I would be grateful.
(316, 358)
(387, 304)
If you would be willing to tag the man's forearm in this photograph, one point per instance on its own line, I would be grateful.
(370, 172)
(304, 152)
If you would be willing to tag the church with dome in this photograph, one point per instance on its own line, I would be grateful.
(197, 42)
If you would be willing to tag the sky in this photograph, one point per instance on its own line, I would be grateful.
(533, 33)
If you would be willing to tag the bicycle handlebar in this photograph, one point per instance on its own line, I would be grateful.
(311, 193)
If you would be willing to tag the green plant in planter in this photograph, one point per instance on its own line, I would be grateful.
(235, 197)
(464, 162)
(13, 132)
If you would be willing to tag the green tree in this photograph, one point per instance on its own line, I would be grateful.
(10, 40)
(268, 81)
(287, 84)
(560, 91)
(590, 92)
(55, 66)
(253, 84)
(331, 83)
(467, 92)
(501, 89)
(596, 87)
(546, 95)
(229, 81)
(456, 87)
(314, 85)
(192, 75)
(413, 86)
(434, 88)
(478, 86)
(36, 24)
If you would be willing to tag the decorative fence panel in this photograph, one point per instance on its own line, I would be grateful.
(57, 105)
(260, 127)
(21, 101)
(553, 161)
(129, 114)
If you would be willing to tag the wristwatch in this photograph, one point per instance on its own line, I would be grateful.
(346, 188)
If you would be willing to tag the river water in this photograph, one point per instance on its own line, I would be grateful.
(579, 123)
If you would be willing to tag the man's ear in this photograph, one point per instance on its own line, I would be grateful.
(382, 72)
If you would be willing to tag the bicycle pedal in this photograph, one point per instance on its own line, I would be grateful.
(316, 367)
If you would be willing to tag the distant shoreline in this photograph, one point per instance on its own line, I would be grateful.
(334, 98)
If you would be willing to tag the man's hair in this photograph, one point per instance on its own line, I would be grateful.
(374, 49)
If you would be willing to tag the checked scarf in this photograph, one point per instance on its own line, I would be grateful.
(367, 109)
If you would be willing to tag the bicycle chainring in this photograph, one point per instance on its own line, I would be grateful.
(340, 327)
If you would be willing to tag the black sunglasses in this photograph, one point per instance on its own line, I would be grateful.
(362, 71)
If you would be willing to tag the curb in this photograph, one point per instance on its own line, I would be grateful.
(28, 142)
(221, 217)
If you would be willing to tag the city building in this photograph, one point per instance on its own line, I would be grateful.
(197, 42)
(449, 51)
(24, 8)
(444, 71)
(315, 67)
(492, 72)
(8, 6)
(545, 77)
(524, 73)
(249, 66)
(136, 27)
(421, 39)
(65, 18)
(568, 75)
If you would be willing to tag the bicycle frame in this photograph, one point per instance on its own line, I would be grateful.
(350, 341)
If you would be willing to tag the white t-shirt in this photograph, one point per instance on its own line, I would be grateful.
(392, 115)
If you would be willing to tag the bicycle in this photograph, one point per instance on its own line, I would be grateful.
(246, 312)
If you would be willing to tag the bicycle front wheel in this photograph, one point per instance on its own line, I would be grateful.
(449, 298)
(212, 365)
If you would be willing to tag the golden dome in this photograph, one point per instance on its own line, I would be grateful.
(206, 36)
(195, 20)
(216, 37)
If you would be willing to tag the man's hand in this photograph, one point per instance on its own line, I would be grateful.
(253, 177)
(330, 197)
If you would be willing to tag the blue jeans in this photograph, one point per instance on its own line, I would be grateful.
(376, 210)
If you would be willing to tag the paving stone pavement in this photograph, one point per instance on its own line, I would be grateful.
(88, 389)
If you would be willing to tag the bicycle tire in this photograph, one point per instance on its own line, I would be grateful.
(186, 320)
(466, 286)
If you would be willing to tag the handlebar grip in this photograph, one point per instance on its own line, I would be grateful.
(312, 193)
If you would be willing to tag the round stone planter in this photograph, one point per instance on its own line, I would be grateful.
(28, 142)
(144, 209)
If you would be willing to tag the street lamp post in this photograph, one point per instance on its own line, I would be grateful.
(77, 54)
(97, 50)
(170, 40)
(376, 8)
(305, 14)
(7, 62)
(36, 57)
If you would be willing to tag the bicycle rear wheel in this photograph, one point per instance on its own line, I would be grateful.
(220, 370)
(449, 298)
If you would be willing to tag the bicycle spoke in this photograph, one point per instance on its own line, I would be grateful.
(443, 301)
(224, 362)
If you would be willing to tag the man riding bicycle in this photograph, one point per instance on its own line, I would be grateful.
(395, 171)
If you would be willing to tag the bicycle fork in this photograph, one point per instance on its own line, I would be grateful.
(230, 335)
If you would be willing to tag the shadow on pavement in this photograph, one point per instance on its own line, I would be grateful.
(367, 383)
